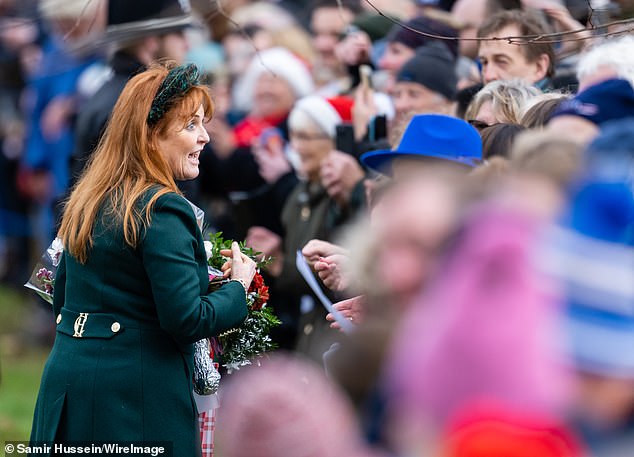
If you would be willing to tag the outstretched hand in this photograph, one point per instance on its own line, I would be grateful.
(268, 243)
(317, 249)
(351, 309)
(331, 272)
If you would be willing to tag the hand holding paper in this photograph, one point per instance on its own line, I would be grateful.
(345, 324)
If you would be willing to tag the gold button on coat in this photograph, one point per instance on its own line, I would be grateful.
(59, 318)
(115, 327)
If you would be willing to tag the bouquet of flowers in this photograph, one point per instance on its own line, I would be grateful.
(42, 279)
(239, 346)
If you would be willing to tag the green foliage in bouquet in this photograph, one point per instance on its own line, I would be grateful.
(218, 243)
(239, 346)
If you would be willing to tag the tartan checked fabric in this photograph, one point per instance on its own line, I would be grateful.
(207, 426)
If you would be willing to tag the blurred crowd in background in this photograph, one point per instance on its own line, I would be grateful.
(459, 174)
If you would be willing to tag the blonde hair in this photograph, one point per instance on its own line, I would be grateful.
(488, 174)
(546, 153)
(508, 100)
(127, 163)
(295, 39)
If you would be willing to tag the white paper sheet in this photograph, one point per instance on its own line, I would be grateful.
(307, 273)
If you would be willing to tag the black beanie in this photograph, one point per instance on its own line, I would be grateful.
(427, 25)
(128, 11)
(434, 67)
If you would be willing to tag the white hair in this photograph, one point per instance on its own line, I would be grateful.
(278, 61)
(68, 9)
(615, 53)
(301, 119)
(269, 16)
(540, 98)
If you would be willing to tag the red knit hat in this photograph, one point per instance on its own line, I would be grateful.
(343, 106)
(487, 430)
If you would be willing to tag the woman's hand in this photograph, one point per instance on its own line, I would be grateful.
(240, 267)
(268, 243)
(268, 152)
(564, 22)
(351, 309)
(363, 110)
(354, 49)
(56, 116)
(331, 272)
(314, 250)
(339, 174)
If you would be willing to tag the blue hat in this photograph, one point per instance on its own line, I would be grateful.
(608, 100)
(433, 136)
(592, 253)
(604, 200)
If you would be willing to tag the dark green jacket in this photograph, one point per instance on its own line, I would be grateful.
(128, 377)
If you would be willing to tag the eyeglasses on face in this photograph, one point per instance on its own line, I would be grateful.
(479, 125)
(306, 136)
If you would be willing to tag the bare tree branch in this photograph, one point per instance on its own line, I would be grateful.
(522, 39)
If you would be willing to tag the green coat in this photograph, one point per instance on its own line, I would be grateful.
(128, 377)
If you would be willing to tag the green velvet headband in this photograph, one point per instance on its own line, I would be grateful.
(177, 82)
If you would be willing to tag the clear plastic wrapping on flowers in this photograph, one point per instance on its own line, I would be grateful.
(42, 279)
(206, 376)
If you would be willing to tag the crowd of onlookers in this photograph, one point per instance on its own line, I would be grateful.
(459, 174)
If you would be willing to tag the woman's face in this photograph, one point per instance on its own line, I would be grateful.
(273, 96)
(394, 56)
(486, 114)
(181, 145)
(174, 46)
(312, 146)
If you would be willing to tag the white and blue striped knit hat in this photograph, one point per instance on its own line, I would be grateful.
(592, 253)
